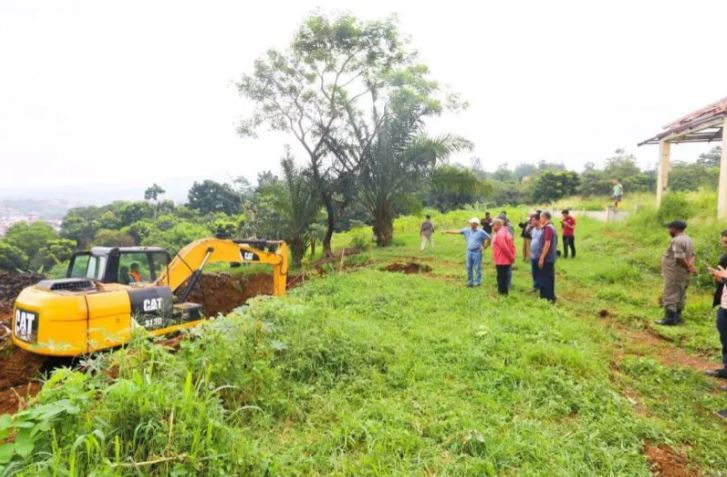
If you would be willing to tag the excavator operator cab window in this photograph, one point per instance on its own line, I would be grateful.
(141, 267)
(85, 265)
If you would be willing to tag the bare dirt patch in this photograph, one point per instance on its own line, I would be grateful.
(222, 293)
(667, 462)
(14, 399)
(11, 284)
(408, 268)
(19, 371)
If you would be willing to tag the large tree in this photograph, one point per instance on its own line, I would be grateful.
(326, 80)
(208, 197)
(401, 157)
(30, 238)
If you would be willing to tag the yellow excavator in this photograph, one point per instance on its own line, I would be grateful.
(110, 291)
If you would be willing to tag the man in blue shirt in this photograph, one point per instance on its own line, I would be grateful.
(475, 238)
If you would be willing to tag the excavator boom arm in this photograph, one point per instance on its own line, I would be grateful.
(192, 259)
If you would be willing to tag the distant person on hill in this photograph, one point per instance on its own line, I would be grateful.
(548, 256)
(676, 266)
(526, 234)
(536, 246)
(617, 193)
(487, 223)
(720, 300)
(503, 254)
(568, 226)
(426, 231)
(475, 239)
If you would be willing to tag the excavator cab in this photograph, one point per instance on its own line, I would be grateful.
(114, 264)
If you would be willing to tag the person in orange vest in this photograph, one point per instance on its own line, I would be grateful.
(134, 275)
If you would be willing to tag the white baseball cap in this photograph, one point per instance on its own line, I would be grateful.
(474, 220)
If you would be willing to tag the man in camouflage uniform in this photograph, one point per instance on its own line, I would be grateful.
(676, 266)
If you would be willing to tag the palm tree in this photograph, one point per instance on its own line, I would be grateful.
(401, 157)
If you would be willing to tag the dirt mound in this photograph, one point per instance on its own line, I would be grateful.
(11, 284)
(222, 293)
(12, 398)
(19, 370)
(408, 268)
(666, 462)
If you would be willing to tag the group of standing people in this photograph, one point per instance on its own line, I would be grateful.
(540, 248)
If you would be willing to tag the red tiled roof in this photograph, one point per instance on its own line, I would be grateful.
(690, 125)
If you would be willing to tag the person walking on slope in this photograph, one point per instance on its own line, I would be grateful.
(426, 231)
(503, 254)
(548, 255)
(617, 193)
(568, 226)
(676, 266)
(720, 299)
(536, 246)
(475, 239)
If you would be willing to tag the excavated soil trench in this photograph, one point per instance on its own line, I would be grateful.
(409, 268)
(222, 293)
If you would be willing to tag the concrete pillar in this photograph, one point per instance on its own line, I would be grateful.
(722, 200)
(662, 176)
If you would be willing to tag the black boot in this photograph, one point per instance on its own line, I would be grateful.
(670, 319)
(679, 316)
(717, 373)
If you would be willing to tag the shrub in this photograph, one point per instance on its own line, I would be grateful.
(360, 239)
(674, 205)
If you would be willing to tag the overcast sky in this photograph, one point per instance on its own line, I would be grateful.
(126, 93)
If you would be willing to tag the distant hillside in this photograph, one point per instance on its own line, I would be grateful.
(37, 209)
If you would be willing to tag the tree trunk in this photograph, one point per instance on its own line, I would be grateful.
(330, 225)
(297, 250)
(383, 224)
(312, 247)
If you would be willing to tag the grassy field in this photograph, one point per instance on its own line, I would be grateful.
(368, 372)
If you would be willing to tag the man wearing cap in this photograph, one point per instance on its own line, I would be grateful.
(676, 265)
(475, 238)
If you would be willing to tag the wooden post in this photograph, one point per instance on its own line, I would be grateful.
(722, 200)
(662, 177)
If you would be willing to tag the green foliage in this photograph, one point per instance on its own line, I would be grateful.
(691, 177)
(153, 192)
(452, 187)
(113, 238)
(134, 212)
(360, 239)
(55, 252)
(553, 185)
(11, 257)
(30, 237)
(674, 205)
(208, 197)
(178, 236)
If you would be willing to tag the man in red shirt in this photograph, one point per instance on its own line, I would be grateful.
(503, 254)
(568, 224)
